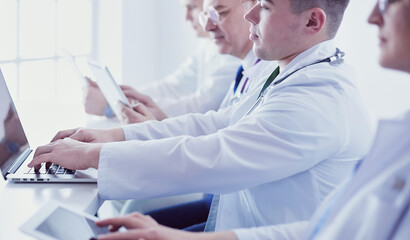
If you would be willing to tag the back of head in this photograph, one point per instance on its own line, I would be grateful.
(334, 10)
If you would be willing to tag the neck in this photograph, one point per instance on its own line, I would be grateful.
(245, 51)
(285, 61)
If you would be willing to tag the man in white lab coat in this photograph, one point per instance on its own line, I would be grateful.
(235, 30)
(273, 156)
(198, 85)
(374, 204)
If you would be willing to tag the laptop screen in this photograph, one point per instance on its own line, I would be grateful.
(13, 140)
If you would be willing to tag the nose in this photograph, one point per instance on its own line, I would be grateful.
(188, 15)
(375, 17)
(252, 15)
(209, 25)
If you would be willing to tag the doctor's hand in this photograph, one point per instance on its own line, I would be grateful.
(144, 227)
(91, 135)
(93, 99)
(139, 113)
(68, 153)
(150, 105)
(139, 227)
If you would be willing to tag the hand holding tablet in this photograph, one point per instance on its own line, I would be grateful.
(56, 222)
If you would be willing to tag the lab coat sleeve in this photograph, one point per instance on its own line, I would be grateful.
(210, 93)
(188, 124)
(288, 134)
(291, 231)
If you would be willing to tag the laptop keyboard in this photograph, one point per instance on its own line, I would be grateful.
(53, 169)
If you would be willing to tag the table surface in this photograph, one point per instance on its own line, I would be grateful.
(20, 201)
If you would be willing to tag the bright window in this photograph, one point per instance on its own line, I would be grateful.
(32, 37)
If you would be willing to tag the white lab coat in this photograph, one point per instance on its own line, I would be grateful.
(369, 205)
(199, 85)
(273, 166)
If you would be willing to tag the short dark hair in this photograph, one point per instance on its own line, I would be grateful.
(334, 10)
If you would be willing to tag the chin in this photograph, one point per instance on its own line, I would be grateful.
(386, 61)
(260, 53)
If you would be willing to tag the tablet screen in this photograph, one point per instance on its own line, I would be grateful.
(63, 224)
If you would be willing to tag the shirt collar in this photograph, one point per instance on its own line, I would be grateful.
(249, 60)
(316, 53)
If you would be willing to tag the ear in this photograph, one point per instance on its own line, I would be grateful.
(315, 20)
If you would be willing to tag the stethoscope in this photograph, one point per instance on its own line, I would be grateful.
(335, 59)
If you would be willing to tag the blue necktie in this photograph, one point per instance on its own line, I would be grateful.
(238, 78)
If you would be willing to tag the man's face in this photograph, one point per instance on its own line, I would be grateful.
(275, 31)
(231, 34)
(394, 34)
(193, 8)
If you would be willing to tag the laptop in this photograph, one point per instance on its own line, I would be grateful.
(15, 152)
(110, 89)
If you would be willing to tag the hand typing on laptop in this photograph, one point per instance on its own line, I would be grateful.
(76, 149)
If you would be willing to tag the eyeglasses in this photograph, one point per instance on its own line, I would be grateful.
(384, 4)
(215, 15)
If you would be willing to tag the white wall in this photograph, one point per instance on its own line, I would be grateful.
(143, 41)
(156, 39)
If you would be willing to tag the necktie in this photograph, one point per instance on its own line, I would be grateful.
(246, 80)
(238, 78)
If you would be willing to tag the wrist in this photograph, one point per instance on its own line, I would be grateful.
(118, 134)
(94, 153)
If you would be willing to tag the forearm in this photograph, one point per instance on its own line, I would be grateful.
(117, 134)
(188, 124)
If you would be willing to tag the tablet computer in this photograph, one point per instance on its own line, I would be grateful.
(110, 89)
(57, 222)
(75, 67)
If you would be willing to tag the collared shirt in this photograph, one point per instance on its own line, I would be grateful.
(197, 86)
(370, 206)
(253, 70)
(272, 166)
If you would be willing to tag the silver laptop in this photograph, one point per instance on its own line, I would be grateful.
(15, 152)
